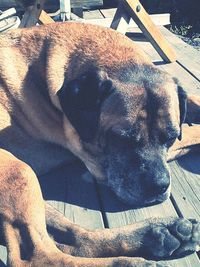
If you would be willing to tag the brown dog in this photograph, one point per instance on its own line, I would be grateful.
(92, 91)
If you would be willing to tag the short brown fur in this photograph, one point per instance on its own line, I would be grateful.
(34, 63)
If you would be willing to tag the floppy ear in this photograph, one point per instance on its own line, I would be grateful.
(81, 101)
(182, 96)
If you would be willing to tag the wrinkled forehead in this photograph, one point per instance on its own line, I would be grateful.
(131, 103)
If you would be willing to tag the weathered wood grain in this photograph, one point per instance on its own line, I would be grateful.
(72, 195)
(189, 83)
(3, 256)
(158, 19)
(121, 19)
(117, 214)
(186, 186)
(86, 3)
(184, 53)
(97, 18)
(92, 14)
(140, 16)
(44, 18)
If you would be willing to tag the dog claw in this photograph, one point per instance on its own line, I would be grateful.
(180, 238)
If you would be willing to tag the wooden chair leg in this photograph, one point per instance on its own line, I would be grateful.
(133, 9)
(44, 18)
(35, 13)
(65, 9)
(121, 19)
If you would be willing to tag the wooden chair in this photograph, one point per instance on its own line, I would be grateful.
(126, 10)
(35, 13)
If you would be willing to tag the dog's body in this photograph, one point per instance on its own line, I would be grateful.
(21, 52)
(90, 90)
(38, 64)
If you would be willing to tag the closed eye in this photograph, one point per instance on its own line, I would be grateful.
(170, 142)
(167, 140)
(117, 137)
(124, 138)
(168, 136)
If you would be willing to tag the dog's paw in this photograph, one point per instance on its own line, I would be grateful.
(178, 239)
(155, 264)
(137, 262)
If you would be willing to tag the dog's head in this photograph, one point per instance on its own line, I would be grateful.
(122, 127)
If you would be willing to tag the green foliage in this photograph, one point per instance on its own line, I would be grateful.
(185, 14)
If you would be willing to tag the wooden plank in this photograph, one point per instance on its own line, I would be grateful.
(189, 83)
(82, 204)
(78, 11)
(32, 14)
(186, 185)
(3, 256)
(44, 18)
(118, 214)
(160, 19)
(92, 14)
(140, 16)
(157, 19)
(86, 3)
(188, 51)
(73, 196)
(121, 19)
(108, 12)
(97, 19)
(105, 22)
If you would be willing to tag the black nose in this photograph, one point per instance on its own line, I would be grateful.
(160, 186)
(157, 185)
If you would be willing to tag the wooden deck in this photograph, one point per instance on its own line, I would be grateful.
(94, 206)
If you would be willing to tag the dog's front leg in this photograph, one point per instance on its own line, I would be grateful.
(75, 240)
(153, 238)
(22, 214)
(22, 223)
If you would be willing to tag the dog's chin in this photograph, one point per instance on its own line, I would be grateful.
(157, 200)
(144, 202)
